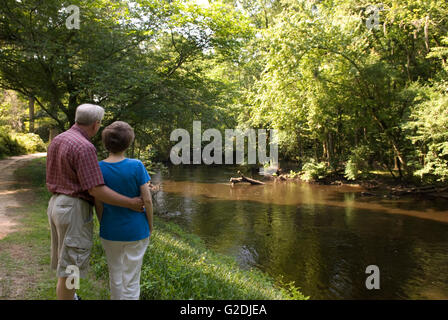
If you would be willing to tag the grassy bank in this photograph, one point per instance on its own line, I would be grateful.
(177, 265)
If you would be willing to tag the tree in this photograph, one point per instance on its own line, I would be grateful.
(141, 60)
(331, 83)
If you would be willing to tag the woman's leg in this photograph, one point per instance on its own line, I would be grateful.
(114, 255)
(132, 264)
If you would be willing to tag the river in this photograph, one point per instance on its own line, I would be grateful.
(321, 237)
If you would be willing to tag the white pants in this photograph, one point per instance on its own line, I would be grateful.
(124, 260)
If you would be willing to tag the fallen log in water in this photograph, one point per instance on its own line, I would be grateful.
(243, 178)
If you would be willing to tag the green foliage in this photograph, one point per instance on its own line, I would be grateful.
(429, 133)
(351, 170)
(313, 170)
(14, 144)
(358, 161)
(31, 142)
(146, 62)
(313, 70)
(327, 82)
(12, 110)
(10, 146)
(293, 174)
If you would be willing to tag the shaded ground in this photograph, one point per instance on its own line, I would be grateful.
(11, 198)
(15, 277)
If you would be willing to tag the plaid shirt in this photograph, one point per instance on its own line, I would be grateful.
(72, 165)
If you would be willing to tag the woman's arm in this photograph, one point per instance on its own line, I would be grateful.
(99, 206)
(145, 193)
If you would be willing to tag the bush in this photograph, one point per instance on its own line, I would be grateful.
(358, 161)
(31, 142)
(351, 170)
(428, 132)
(14, 144)
(9, 146)
(313, 170)
(293, 174)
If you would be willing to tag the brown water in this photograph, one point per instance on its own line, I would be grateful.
(320, 237)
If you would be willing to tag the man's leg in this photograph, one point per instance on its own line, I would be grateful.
(73, 219)
(57, 241)
(62, 292)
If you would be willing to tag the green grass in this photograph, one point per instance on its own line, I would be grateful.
(177, 265)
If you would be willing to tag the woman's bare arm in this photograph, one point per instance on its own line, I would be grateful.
(145, 193)
(99, 206)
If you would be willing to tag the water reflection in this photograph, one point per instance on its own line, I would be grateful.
(321, 237)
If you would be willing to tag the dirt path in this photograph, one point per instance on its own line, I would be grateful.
(10, 198)
(15, 277)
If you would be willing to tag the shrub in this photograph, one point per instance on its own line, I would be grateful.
(351, 170)
(293, 174)
(428, 132)
(9, 146)
(31, 142)
(313, 170)
(358, 161)
(14, 144)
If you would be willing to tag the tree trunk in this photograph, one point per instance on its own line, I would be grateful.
(71, 112)
(427, 33)
(53, 133)
(31, 112)
(330, 147)
(243, 178)
(325, 147)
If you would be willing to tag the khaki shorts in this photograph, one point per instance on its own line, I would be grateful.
(71, 222)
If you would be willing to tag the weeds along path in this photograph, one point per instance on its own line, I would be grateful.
(12, 198)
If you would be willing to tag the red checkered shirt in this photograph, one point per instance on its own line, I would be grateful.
(72, 164)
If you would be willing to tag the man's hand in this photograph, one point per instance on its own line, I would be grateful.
(107, 195)
(136, 204)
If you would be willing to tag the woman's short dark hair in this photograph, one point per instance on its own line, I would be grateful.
(118, 136)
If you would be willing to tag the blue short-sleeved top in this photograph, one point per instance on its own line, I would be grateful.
(118, 223)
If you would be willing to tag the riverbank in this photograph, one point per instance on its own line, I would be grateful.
(177, 265)
(375, 184)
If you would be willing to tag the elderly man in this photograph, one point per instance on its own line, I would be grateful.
(75, 179)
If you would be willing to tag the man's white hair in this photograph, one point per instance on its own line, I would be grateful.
(87, 114)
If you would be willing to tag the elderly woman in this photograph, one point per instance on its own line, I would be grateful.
(124, 233)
